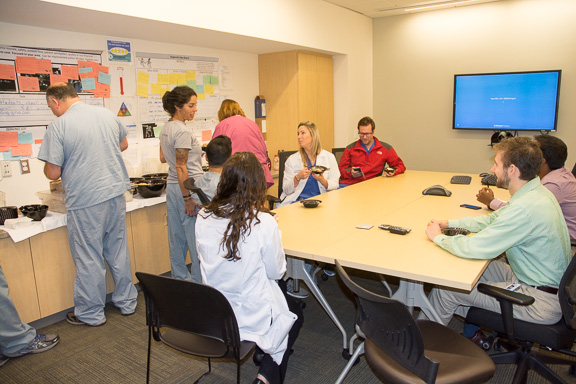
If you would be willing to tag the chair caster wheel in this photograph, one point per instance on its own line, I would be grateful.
(302, 304)
(324, 277)
(346, 355)
(487, 344)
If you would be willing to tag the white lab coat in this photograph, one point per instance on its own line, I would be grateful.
(249, 284)
(294, 164)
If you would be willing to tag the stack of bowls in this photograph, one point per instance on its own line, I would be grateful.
(8, 213)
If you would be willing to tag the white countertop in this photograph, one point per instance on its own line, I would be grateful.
(55, 220)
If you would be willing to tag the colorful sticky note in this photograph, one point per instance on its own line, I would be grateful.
(163, 78)
(25, 138)
(206, 135)
(104, 78)
(26, 64)
(156, 89)
(209, 89)
(7, 72)
(70, 72)
(29, 83)
(88, 83)
(199, 88)
(191, 84)
(190, 75)
(143, 77)
(8, 139)
(44, 66)
(142, 90)
(58, 79)
(22, 150)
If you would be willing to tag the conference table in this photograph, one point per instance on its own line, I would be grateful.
(329, 232)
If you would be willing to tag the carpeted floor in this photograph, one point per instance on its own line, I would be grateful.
(116, 352)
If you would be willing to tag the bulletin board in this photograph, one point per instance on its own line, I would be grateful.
(158, 73)
(25, 74)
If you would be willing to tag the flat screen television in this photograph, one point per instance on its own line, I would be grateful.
(516, 101)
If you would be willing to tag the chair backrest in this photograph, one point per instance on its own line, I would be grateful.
(567, 294)
(337, 152)
(387, 323)
(282, 156)
(201, 195)
(189, 306)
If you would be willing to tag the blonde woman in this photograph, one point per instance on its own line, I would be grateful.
(299, 181)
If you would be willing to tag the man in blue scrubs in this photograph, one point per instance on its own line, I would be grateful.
(83, 146)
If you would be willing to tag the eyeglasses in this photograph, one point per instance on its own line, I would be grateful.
(365, 134)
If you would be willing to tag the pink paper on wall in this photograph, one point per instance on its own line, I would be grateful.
(26, 64)
(29, 83)
(7, 72)
(22, 150)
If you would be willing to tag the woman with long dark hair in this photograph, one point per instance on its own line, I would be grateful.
(241, 255)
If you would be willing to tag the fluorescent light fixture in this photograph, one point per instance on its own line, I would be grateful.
(444, 4)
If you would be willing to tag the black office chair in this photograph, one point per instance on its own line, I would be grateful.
(518, 337)
(189, 184)
(403, 350)
(282, 156)
(192, 318)
(337, 152)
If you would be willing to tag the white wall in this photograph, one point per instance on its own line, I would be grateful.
(303, 24)
(21, 189)
(416, 57)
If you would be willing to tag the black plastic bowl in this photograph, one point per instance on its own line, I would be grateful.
(34, 211)
(162, 176)
(310, 203)
(151, 187)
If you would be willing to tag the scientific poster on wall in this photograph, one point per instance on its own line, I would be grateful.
(25, 74)
(158, 73)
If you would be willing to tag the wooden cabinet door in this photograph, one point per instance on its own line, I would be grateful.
(150, 239)
(16, 262)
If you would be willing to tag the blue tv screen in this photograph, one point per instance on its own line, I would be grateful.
(519, 101)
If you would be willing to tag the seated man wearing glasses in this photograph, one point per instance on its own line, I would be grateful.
(368, 157)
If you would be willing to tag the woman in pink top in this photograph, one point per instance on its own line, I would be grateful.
(244, 133)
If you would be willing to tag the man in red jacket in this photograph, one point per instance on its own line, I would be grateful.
(368, 157)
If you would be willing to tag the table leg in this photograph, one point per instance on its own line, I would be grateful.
(296, 269)
(412, 294)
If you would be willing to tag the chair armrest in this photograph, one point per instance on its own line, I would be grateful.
(506, 299)
(504, 294)
(272, 200)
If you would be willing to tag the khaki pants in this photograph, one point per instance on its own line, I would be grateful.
(545, 310)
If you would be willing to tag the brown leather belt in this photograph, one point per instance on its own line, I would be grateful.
(547, 289)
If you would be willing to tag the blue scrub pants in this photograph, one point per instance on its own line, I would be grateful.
(14, 333)
(97, 234)
(181, 236)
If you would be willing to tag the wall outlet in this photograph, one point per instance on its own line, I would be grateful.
(24, 166)
(6, 169)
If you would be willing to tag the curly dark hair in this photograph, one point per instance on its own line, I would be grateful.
(241, 194)
(177, 97)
